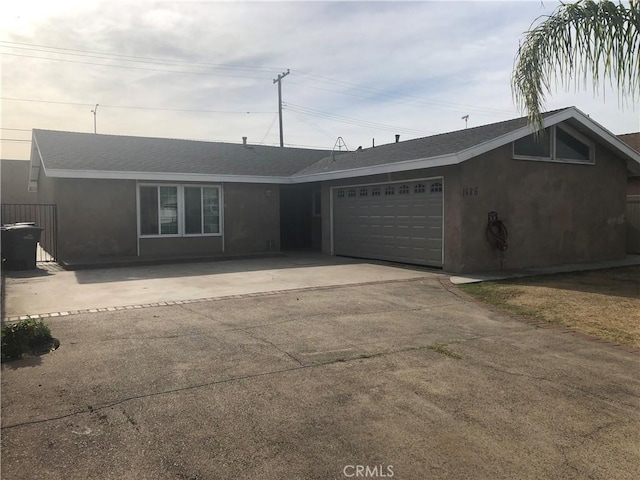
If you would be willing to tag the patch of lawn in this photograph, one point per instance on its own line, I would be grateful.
(604, 303)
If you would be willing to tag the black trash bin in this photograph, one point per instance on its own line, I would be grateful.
(19, 244)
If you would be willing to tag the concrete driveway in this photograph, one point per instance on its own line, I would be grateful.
(50, 289)
(403, 379)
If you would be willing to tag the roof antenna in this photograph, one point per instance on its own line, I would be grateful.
(466, 119)
(95, 112)
(339, 144)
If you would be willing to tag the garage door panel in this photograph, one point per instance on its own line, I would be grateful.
(405, 226)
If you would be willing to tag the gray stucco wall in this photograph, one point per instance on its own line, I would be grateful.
(251, 218)
(96, 218)
(180, 246)
(555, 213)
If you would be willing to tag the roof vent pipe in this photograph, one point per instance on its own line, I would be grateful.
(397, 138)
(244, 141)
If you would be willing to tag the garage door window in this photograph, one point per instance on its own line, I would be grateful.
(436, 187)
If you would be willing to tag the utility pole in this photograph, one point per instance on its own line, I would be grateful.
(95, 112)
(279, 81)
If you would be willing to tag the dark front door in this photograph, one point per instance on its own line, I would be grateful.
(296, 210)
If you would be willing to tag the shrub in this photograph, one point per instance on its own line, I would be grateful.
(26, 336)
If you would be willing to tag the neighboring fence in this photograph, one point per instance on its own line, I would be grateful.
(45, 217)
(633, 224)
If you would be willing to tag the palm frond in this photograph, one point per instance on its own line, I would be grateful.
(597, 40)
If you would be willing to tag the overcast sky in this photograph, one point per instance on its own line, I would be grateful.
(204, 70)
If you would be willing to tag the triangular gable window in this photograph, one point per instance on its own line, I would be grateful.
(556, 144)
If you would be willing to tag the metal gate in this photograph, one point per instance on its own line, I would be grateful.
(633, 224)
(45, 217)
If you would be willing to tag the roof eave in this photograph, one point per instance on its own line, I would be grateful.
(35, 163)
(164, 176)
(414, 164)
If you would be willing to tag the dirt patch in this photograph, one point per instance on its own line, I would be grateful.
(604, 303)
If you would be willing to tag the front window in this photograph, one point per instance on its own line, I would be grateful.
(149, 221)
(168, 210)
(179, 210)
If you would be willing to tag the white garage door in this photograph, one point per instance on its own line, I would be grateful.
(399, 222)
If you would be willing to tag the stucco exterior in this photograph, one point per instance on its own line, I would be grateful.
(97, 220)
(251, 218)
(555, 213)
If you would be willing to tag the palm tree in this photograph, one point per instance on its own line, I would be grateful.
(595, 40)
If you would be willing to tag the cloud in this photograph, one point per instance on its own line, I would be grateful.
(417, 66)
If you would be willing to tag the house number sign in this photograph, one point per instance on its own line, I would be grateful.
(469, 191)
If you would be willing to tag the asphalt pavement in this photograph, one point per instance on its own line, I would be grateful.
(404, 378)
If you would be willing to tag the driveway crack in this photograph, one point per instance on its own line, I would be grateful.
(288, 354)
(300, 366)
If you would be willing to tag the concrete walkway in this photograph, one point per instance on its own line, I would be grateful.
(53, 290)
(631, 260)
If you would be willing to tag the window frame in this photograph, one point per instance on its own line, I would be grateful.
(181, 212)
(552, 149)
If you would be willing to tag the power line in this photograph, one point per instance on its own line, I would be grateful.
(143, 59)
(134, 68)
(131, 107)
(269, 129)
(380, 92)
(400, 100)
(361, 91)
(310, 124)
(352, 121)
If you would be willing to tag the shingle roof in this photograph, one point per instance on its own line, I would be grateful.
(115, 153)
(427, 147)
(89, 155)
(631, 139)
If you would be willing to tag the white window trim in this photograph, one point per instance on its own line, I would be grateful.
(180, 197)
(554, 158)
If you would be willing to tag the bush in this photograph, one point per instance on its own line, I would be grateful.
(26, 336)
